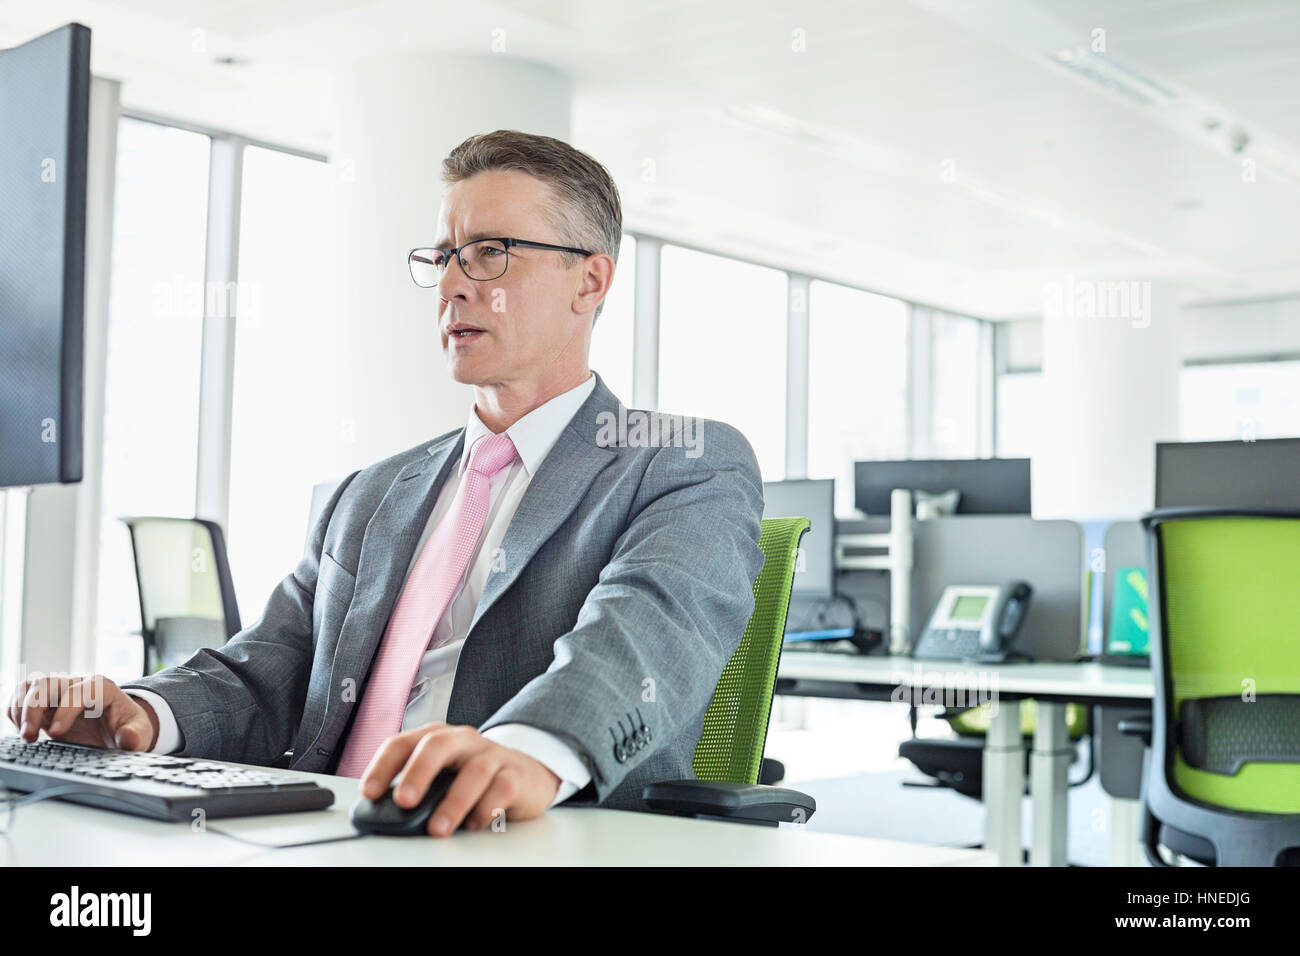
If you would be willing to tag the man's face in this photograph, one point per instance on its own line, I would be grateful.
(528, 326)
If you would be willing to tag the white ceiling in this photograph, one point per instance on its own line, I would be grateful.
(936, 149)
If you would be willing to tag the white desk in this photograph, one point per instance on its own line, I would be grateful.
(53, 832)
(1050, 684)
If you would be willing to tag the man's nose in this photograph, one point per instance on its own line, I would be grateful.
(454, 283)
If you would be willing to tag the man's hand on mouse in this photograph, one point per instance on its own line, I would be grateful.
(490, 778)
(82, 709)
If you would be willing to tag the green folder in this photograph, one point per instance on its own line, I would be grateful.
(1129, 627)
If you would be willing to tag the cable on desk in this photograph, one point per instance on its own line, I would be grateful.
(284, 846)
(41, 794)
(13, 802)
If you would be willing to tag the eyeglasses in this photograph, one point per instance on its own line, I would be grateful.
(482, 260)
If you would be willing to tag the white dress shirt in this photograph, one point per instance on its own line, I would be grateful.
(533, 436)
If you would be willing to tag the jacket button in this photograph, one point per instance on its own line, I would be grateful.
(322, 751)
(620, 753)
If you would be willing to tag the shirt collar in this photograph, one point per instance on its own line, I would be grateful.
(537, 432)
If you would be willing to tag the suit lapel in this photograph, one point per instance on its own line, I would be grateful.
(386, 551)
(561, 482)
(394, 530)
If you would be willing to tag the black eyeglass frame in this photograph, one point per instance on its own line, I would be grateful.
(507, 242)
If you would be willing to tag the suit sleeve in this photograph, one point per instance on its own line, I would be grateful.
(243, 701)
(667, 613)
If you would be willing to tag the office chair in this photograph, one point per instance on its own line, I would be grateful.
(729, 754)
(958, 762)
(1222, 784)
(187, 596)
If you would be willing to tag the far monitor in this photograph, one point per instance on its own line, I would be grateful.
(997, 486)
(814, 499)
(1230, 474)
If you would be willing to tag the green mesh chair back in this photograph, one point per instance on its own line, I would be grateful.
(1230, 635)
(735, 726)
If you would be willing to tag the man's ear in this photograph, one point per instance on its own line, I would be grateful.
(597, 277)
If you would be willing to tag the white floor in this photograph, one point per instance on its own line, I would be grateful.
(845, 755)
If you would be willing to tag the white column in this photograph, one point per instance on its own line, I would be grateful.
(645, 324)
(1110, 392)
(52, 575)
(217, 372)
(796, 377)
(919, 380)
(101, 192)
(398, 116)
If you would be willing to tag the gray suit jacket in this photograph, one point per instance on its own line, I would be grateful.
(623, 587)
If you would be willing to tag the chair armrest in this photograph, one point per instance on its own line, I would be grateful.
(747, 802)
(1136, 727)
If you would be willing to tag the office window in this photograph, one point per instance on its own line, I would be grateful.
(722, 345)
(954, 386)
(155, 319)
(857, 383)
(1239, 401)
(611, 339)
(285, 431)
(1020, 414)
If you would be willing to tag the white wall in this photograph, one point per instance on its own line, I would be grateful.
(1110, 392)
(1248, 330)
(1227, 331)
(398, 118)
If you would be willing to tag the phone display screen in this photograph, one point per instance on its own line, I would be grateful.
(969, 607)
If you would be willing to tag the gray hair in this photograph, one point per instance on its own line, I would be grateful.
(584, 207)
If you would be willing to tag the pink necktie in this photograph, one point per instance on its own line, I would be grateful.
(424, 598)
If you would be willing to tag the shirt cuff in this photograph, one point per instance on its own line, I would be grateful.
(169, 732)
(548, 750)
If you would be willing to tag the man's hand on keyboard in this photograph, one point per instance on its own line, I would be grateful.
(82, 709)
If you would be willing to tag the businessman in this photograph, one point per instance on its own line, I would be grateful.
(541, 601)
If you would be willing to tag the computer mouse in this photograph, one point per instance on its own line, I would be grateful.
(384, 817)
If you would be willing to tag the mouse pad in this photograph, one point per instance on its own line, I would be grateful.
(289, 829)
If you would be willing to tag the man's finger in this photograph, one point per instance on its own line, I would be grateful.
(499, 797)
(15, 709)
(434, 750)
(445, 746)
(125, 724)
(38, 705)
(74, 699)
(472, 781)
(388, 759)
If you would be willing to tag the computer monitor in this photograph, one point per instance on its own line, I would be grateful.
(997, 486)
(44, 114)
(814, 499)
(1247, 474)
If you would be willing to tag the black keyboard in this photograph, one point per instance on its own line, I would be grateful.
(162, 786)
